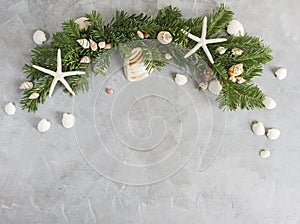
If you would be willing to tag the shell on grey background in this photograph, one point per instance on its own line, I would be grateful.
(273, 133)
(281, 73)
(68, 120)
(39, 37)
(44, 125)
(269, 103)
(26, 85)
(258, 128)
(10, 108)
(235, 28)
(215, 87)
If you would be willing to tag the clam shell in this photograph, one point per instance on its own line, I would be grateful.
(235, 28)
(281, 73)
(68, 120)
(237, 51)
(221, 50)
(215, 87)
(83, 23)
(85, 60)
(10, 108)
(33, 96)
(236, 70)
(39, 37)
(93, 45)
(164, 37)
(26, 85)
(134, 67)
(43, 125)
(101, 44)
(264, 153)
(180, 79)
(84, 43)
(269, 103)
(258, 128)
(273, 133)
(140, 34)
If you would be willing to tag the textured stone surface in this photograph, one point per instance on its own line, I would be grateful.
(46, 178)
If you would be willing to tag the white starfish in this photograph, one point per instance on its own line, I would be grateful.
(59, 75)
(202, 42)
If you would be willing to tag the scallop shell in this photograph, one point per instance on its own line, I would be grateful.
(258, 128)
(43, 125)
(281, 73)
(26, 85)
(236, 70)
(10, 108)
(164, 37)
(221, 50)
(215, 87)
(39, 37)
(134, 67)
(101, 44)
(140, 34)
(235, 28)
(269, 103)
(83, 23)
(237, 51)
(273, 133)
(93, 45)
(33, 96)
(85, 60)
(180, 79)
(264, 153)
(68, 120)
(84, 43)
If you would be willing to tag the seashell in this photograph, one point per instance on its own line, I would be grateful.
(107, 46)
(258, 128)
(93, 45)
(180, 79)
(240, 80)
(101, 44)
(26, 85)
(236, 70)
(83, 23)
(164, 37)
(215, 87)
(43, 125)
(232, 78)
(237, 51)
(203, 85)
(85, 60)
(269, 103)
(33, 96)
(273, 133)
(221, 50)
(84, 43)
(208, 74)
(39, 37)
(146, 35)
(264, 153)
(281, 73)
(235, 28)
(168, 56)
(134, 66)
(140, 34)
(68, 120)
(109, 91)
(10, 108)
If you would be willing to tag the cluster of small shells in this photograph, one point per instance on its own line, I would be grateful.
(68, 120)
(86, 44)
(207, 76)
(258, 128)
(234, 73)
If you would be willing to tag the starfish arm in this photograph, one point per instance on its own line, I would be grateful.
(66, 84)
(204, 27)
(208, 54)
(193, 37)
(53, 84)
(45, 70)
(218, 40)
(59, 66)
(193, 50)
(65, 74)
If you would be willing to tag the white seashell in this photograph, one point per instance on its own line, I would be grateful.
(221, 50)
(237, 51)
(232, 78)
(26, 85)
(203, 85)
(235, 28)
(85, 60)
(240, 80)
(164, 37)
(281, 73)
(33, 96)
(180, 79)
(10, 108)
(83, 23)
(84, 43)
(215, 87)
(264, 153)
(168, 56)
(101, 44)
(134, 67)
(43, 125)
(140, 34)
(269, 103)
(68, 120)
(107, 46)
(93, 45)
(273, 133)
(39, 37)
(258, 128)
(236, 70)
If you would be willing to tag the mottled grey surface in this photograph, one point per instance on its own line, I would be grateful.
(46, 178)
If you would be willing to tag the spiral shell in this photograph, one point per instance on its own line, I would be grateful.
(281, 73)
(85, 60)
(34, 96)
(84, 43)
(164, 37)
(93, 45)
(26, 85)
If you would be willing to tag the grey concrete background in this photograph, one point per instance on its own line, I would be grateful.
(44, 178)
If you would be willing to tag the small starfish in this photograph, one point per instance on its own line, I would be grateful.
(202, 41)
(59, 75)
